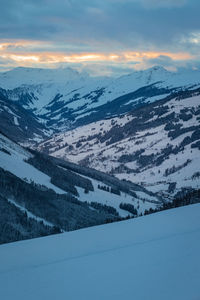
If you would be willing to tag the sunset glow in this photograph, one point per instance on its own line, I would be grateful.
(20, 53)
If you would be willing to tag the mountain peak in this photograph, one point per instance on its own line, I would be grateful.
(156, 69)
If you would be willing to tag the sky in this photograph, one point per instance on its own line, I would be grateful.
(102, 37)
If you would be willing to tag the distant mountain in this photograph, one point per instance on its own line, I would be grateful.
(18, 123)
(40, 195)
(157, 145)
(63, 99)
(33, 76)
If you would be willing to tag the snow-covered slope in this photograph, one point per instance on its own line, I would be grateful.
(46, 190)
(152, 257)
(13, 159)
(64, 98)
(157, 146)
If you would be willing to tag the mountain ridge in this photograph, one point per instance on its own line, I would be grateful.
(65, 103)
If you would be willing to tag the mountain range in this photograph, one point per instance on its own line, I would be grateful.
(105, 148)
(63, 99)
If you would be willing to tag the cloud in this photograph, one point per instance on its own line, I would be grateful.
(105, 23)
(155, 3)
(162, 3)
(162, 60)
(97, 64)
(84, 27)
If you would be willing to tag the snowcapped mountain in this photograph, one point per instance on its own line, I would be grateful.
(34, 76)
(152, 257)
(40, 195)
(157, 146)
(64, 98)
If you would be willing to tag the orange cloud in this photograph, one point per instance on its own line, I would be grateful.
(21, 53)
(21, 58)
(60, 57)
(91, 57)
(86, 57)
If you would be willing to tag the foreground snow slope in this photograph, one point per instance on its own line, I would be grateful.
(152, 257)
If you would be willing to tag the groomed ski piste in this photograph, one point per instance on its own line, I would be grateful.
(152, 257)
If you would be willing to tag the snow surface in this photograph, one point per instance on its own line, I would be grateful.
(153, 257)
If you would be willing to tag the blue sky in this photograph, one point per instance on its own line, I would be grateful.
(100, 36)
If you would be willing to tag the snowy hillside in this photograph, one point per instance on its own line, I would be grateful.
(13, 159)
(153, 257)
(156, 146)
(56, 198)
(64, 98)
